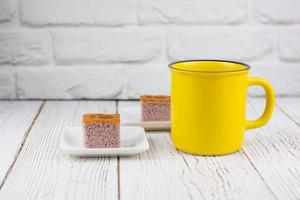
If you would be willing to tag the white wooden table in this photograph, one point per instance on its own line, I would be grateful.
(33, 167)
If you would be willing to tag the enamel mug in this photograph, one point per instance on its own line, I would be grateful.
(208, 105)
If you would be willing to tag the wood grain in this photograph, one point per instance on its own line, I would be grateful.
(290, 107)
(15, 119)
(274, 151)
(42, 171)
(164, 173)
(268, 166)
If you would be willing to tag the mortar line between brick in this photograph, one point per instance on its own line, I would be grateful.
(22, 144)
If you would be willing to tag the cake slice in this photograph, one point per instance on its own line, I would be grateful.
(155, 108)
(101, 130)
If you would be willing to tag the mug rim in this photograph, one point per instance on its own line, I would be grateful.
(247, 67)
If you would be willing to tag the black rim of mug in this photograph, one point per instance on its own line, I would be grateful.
(247, 67)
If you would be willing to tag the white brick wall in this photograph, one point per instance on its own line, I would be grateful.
(24, 47)
(277, 11)
(231, 43)
(78, 12)
(106, 45)
(192, 11)
(70, 82)
(7, 83)
(7, 10)
(289, 44)
(120, 48)
(285, 77)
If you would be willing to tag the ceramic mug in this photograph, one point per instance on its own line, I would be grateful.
(208, 105)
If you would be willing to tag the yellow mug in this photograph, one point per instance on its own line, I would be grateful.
(208, 105)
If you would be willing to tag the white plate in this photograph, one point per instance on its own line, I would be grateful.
(133, 141)
(151, 126)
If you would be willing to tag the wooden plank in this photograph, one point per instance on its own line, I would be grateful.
(164, 173)
(42, 171)
(15, 120)
(290, 107)
(274, 151)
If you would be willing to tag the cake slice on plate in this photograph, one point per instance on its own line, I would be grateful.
(101, 130)
(155, 108)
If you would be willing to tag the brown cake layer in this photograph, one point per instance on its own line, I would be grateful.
(98, 117)
(155, 98)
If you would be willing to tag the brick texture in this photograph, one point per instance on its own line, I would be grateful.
(69, 83)
(289, 44)
(192, 11)
(24, 48)
(285, 78)
(121, 81)
(7, 83)
(77, 12)
(7, 10)
(277, 11)
(148, 79)
(129, 45)
(219, 43)
(120, 49)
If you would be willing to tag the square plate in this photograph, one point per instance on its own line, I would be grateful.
(151, 126)
(133, 141)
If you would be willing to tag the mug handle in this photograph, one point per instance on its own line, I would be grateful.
(270, 102)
